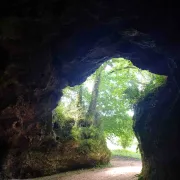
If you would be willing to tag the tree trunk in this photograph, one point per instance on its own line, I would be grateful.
(79, 104)
(93, 103)
(79, 97)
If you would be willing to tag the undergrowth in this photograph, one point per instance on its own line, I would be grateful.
(126, 153)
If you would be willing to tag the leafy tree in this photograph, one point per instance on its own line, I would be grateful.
(116, 86)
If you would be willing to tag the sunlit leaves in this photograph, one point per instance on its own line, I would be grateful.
(122, 85)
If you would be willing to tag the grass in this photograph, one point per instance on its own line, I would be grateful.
(103, 166)
(126, 153)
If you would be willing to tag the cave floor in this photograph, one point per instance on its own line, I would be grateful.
(121, 168)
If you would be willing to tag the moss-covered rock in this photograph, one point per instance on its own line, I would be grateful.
(157, 131)
(57, 158)
(48, 154)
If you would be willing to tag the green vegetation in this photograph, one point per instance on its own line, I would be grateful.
(102, 107)
(126, 153)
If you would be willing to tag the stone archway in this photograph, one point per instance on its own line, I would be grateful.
(46, 46)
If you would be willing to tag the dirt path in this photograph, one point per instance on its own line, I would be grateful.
(122, 169)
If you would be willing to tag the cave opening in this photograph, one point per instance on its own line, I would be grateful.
(32, 140)
(97, 115)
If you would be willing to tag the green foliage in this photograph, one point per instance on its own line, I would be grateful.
(126, 141)
(68, 107)
(91, 141)
(121, 85)
(81, 133)
(87, 145)
(63, 129)
(126, 153)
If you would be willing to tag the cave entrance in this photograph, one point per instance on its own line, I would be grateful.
(97, 115)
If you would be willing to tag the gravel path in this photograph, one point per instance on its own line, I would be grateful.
(122, 169)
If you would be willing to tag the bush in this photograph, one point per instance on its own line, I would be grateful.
(63, 129)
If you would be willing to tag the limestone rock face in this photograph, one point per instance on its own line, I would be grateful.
(156, 125)
(47, 45)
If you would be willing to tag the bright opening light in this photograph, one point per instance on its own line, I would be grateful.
(108, 68)
(89, 85)
(123, 170)
(130, 113)
(113, 145)
(139, 77)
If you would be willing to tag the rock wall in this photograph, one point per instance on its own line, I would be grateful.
(157, 127)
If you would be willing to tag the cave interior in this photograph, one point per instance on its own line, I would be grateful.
(47, 45)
